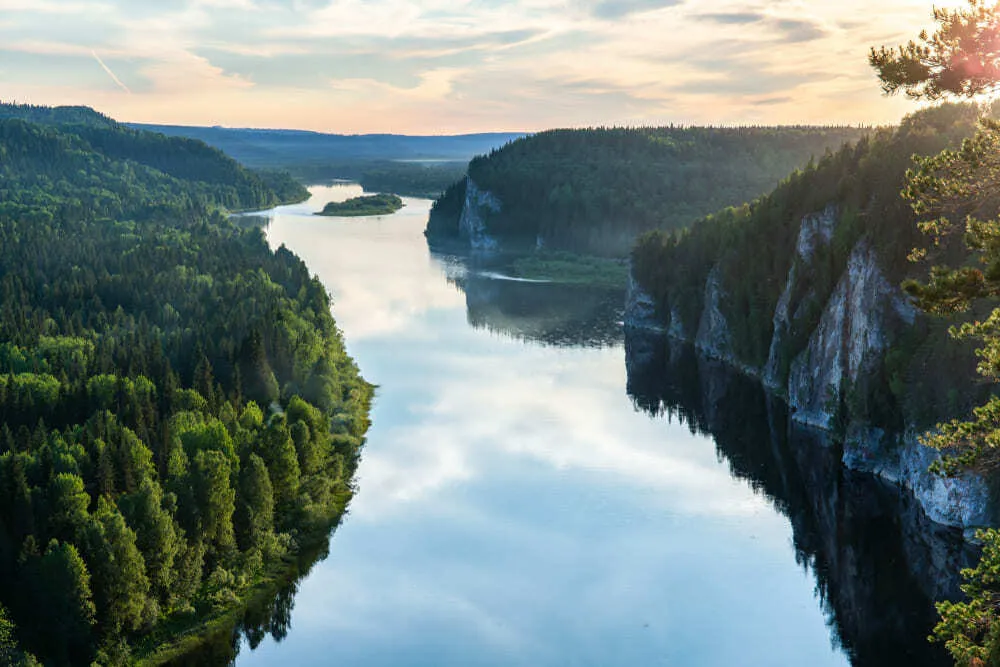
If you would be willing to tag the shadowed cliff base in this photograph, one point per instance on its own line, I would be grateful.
(879, 562)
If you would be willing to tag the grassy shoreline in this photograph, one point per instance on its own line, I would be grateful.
(187, 634)
(572, 269)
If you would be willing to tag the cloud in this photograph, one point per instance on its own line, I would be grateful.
(731, 18)
(797, 30)
(616, 9)
(453, 65)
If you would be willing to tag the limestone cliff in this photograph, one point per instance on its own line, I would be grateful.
(800, 293)
(850, 341)
(827, 348)
(472, 227)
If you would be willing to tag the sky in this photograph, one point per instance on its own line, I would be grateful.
(457, 66)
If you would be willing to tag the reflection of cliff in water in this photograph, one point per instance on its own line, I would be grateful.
(879, 563)
(549, 313)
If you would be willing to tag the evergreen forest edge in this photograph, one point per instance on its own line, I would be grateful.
(180, 417)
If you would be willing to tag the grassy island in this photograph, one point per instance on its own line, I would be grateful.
(363, 206)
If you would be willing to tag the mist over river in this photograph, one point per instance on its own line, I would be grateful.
(537, 490)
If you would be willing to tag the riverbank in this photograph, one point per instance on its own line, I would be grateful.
(176, 641)
(572, 269)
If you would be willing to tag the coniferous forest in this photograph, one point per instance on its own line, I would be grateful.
(179, 413)
(595, 190)
(754, 247)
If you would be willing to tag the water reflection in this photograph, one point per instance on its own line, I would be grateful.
(268, 615)
(515, 509)
(879, 563)
(549, 313)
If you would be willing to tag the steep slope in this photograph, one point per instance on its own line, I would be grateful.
(801, 289)
(595, 190)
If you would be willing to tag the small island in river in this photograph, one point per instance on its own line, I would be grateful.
(383, 204)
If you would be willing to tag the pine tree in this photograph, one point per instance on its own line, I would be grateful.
(955, 193)
(155, 534)
(68, 608)
(215, 500)
(254, 518)
(282, 464)
(119, 573)
(68, 502)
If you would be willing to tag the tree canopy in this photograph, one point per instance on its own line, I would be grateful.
(595, 190)
(178, 414)
(955, 196)
(960, 59)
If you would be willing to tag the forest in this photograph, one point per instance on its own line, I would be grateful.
(593, 191)
(179, 415)
(754, 246)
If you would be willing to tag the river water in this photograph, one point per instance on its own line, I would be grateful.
(536, 490)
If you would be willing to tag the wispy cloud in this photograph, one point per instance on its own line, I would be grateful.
(457, 65)
(114, 77)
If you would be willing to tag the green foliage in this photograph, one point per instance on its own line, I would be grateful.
(139, 332)
(754, 246)
(970, 629)
(381, 204)
(66, 623)
(959, 59)
(447, 210)
(10, 652)
(254, 518)
(411, 179)
(593, 191)
(962, 184)
(572, 269)
(111, 170)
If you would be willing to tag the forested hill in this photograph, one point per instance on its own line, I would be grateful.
(58, 147)
(595, 190)
(777, 275)
(178, 415)
(416, 166)
(295, 147)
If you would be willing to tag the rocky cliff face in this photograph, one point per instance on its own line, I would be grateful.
(814, 236)
(858, 535)
(849, 342)
(479, 204)
(857, 324)
(714, 338)
(640, 309)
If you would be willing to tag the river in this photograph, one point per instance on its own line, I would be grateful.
(527, 497)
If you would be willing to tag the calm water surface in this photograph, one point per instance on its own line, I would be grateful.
(522, 501)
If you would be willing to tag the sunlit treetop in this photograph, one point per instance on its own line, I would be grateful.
(962, 58)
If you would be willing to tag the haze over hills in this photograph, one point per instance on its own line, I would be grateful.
(595, 190)
(291, 147)
(419, 166)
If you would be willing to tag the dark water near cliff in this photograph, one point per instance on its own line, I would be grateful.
(538, 490)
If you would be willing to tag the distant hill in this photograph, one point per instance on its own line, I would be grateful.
(270, 148)
(595, 190)
(60, 151)
(420, 166)
(75, 115)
